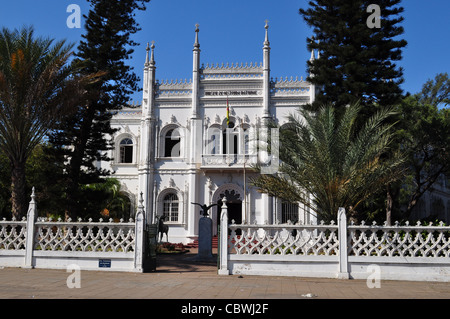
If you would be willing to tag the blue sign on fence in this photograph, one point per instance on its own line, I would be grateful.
(104, 263)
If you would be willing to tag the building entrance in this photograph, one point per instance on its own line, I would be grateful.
(234, 204)
(234, 212)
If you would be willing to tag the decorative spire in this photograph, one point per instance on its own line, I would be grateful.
(312, 50)
(196, 44)
(266, 41)
(150, 57)
(147, 62)
(33, 196)
(318, 49)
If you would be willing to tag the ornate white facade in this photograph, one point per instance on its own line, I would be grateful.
(175, 148)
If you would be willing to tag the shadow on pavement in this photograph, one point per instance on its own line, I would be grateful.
(177, 263)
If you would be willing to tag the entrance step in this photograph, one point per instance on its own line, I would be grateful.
(195, 243)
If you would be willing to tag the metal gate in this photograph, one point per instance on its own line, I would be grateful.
(151, 234)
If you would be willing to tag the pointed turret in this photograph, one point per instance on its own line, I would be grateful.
(318, 50)
(147, 60)
(266, 41)
(196, 43)
(150, 57)
(266, 73)
(147, 151)
(195, 74)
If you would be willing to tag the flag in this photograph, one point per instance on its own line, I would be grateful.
(228, 113)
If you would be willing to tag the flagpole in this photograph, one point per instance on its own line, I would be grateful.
(245, 179)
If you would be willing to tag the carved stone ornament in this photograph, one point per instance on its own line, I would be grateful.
(231, 195)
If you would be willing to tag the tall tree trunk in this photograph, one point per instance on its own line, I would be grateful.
(72, 190)
(18, 195)
(73, 187)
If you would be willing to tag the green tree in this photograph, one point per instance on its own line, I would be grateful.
(105, 199)
(42, 172)
(356, 63)
(45, 173)
(106, 45)
(37, 87)
(424, 135)
(5, 187)
(326, 156)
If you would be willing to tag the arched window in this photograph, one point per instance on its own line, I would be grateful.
(172, 143)
(170, 207)
(213, 138)
(230, 140)
(126, 150)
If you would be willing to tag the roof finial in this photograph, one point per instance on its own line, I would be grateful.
(312, 50)
(318, 49)
(152, 58)
(266, 41)
(147, 60)
(196, 44)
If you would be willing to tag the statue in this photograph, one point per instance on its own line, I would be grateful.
(204, 234)
(162, 228)
(205, 208)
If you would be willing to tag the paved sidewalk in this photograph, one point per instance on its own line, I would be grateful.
(178, 277)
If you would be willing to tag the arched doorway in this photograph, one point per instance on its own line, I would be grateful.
(234, 195)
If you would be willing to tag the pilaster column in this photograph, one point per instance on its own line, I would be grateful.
(147, 147)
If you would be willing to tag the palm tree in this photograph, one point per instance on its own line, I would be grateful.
(328, 158)
(108, 198)
(37, 87)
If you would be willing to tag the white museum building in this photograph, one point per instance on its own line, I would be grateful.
(192, 141)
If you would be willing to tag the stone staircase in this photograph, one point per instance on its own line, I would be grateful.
(195, 243)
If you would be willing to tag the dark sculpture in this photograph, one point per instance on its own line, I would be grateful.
(162, 228)
(205, 208)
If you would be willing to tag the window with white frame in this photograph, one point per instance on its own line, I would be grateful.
(230, 139)
(172, 143)
(213, 135)
(289, 212)
(170, 207)
(126, 150)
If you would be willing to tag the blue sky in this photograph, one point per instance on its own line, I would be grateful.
(233, 31)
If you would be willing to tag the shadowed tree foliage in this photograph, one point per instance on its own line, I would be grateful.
(324, 156)
(85, 137)
(37, 87)
(424, 135)
(356, 63)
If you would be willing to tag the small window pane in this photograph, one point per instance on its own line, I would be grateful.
(170, 207)
(126, 151)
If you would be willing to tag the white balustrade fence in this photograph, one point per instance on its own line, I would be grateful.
(102, 245)
(397, 252)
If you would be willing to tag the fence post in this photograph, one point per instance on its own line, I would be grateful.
(343, 253)
(31, 218)
(139, 238)
(223, 267)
